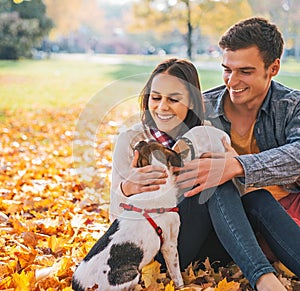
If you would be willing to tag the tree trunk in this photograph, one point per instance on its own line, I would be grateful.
(190, 32)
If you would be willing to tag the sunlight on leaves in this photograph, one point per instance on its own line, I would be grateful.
(52, 213)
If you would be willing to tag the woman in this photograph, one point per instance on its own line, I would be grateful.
(169, 101)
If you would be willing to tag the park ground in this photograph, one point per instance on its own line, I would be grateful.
(58, 121)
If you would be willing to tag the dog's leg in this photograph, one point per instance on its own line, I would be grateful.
(170, 254)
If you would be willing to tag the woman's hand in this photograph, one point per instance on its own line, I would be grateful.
(211, 170)
(143, 179)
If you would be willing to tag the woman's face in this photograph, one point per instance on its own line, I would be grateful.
(169, 101)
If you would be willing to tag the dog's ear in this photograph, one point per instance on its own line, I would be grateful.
(139, 145)
(174, 159)
(182, 148)
(144, 158)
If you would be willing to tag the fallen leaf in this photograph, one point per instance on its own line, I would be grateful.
(227, 286)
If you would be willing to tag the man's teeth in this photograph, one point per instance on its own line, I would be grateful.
(237, 90)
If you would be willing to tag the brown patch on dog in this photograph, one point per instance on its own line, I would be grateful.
(165, 155)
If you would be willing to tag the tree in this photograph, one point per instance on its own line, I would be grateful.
(205, 17)
(70, 16)
(22, 27)
(285, 14)
(165, 17)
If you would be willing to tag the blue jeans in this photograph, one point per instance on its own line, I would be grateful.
(224, 228)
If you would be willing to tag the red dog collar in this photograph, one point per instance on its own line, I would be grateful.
(145, 212)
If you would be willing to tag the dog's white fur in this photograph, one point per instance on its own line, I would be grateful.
(133, 227)
(204, 139)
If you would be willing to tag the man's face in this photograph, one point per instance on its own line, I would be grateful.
(246, 77)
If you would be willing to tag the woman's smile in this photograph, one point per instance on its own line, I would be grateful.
(168, 102)
(165, 117)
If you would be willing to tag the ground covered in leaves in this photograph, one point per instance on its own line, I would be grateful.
(52, 212)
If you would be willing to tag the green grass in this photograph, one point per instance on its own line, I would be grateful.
(55, 83)
(62, 83)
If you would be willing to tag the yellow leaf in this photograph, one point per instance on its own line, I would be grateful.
(4, 270)
(64, 267)
(170, 287)
(151, 275)
(227, 286)
(5, 283)
(149, 272)
(284, 269)
(55, 243)
(23, 281)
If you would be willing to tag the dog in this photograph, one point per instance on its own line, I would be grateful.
(132, 241)
(197, 141)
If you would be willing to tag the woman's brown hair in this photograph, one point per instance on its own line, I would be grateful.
(185, 71)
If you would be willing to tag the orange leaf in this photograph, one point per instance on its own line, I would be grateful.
(227, 286)
(18, 226)
(25, 259)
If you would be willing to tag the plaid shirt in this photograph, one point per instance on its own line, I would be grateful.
(162, 137)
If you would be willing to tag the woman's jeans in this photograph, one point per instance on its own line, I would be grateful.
(229, 220)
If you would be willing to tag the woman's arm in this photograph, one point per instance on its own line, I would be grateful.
(127, 179)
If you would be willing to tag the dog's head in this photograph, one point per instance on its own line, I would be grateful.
(153, 150)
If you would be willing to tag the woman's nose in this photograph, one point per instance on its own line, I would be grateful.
(163, 104)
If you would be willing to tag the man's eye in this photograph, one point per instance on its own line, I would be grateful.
(246, 72)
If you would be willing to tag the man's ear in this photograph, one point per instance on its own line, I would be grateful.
(274, 68)
(182, 148)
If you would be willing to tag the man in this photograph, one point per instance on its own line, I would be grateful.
(252, 105)
(263, 120)
(261, 115)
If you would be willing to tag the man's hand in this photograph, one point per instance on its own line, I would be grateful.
(143, 179)
(211, 170)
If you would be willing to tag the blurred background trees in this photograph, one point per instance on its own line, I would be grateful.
(22, 27)
(182, 27)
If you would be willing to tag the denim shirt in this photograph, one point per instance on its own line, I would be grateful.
(277, 133)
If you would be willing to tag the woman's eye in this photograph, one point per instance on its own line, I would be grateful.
(174, 100)
(155, 97)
